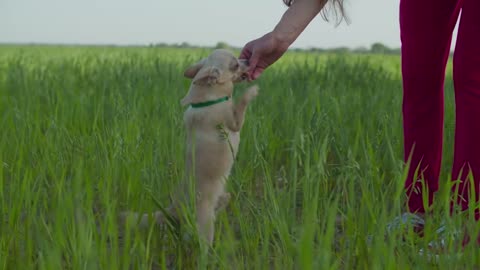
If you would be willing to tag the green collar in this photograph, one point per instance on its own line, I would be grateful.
(209, 103)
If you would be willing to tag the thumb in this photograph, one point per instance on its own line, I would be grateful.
(256, 73)
(253, 61)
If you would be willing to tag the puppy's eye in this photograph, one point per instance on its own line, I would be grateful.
(234, 66)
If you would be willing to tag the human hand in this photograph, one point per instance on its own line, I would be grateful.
(262, 52)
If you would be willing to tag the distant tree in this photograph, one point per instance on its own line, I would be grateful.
(340, 50)
(312, 50)
(361, 50)
(395, 51)
(161, 45)
(222, 45)
(184, 45)
(379, 48)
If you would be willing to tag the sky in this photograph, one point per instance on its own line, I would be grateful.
(204, 23)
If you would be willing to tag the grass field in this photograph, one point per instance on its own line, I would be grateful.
(88, 132)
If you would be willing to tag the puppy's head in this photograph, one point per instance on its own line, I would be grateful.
(220, 68)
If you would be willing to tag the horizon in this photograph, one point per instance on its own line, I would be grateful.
(125, 23)
(177, 44)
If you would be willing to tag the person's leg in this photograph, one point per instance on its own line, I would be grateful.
(466, 76)
(426, 29)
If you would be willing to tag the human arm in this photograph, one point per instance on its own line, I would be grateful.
(266, 50)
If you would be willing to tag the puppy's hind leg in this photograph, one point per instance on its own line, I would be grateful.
(223, 201)
(206, 218)
(211, 198)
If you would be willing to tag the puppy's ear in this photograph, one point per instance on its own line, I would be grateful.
(209, 76)
(192, 70)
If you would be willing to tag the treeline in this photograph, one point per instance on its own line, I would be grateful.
(376, 48)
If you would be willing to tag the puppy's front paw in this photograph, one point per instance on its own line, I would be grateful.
(251, 93)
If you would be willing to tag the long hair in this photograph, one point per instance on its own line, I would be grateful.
(336, 7)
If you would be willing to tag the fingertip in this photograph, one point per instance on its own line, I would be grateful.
(243, 55)
(252, 63)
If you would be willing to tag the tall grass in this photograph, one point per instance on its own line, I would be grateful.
(88, 132)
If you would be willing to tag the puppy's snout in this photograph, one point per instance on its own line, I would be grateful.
(244, 68)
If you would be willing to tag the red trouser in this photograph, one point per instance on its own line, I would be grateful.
(426, 30)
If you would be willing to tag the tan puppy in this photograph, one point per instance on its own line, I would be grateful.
(213, 130)
(213, 123)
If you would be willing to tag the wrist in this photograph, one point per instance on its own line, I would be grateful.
(283, 39)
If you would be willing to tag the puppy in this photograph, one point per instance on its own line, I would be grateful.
(213, 123)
